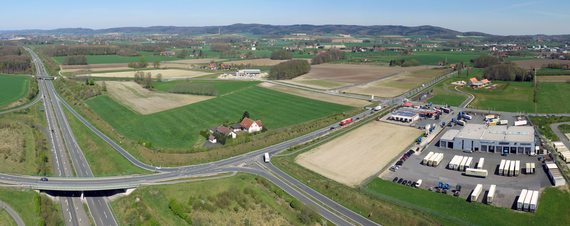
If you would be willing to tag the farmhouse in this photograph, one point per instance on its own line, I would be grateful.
(495, 139)
(251, 126)
(225, 131)
(476, 84)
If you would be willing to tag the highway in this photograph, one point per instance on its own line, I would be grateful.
(249, 163)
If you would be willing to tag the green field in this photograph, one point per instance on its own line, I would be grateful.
(13, 87)
(451, 100)
(237, 200)
(552, 210)
(554, 97)
(180, 127)
(102, 158)
(223, 87)
(508, 96)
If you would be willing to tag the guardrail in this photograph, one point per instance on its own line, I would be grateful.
(83, 188)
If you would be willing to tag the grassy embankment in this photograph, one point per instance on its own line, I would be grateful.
(553, 205)
(239, 200)
(180, 127)
(102, 158)
(13, 87)
(24, 203)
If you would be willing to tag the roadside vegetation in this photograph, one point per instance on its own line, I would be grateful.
(49, 213)
(23, 149)
(542, 124)
(244, 199)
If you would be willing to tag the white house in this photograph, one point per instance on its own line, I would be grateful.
(212, 139)
(250, 125)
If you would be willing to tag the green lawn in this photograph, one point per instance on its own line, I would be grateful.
(451, 100)
(552, 209)
(237, 200)
(22, 201)
(102, 158)
(554, 97)
(13, 87)
(180, 127)
(223, 87)
(508, 96)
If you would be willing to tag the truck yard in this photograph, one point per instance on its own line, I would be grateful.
(507, 187)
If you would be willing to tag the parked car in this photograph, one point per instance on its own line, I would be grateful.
(405, 182)
(400, 180)
(395, 179)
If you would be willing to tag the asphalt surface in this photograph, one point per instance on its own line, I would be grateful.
(12, 213)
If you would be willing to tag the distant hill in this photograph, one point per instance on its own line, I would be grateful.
(264, 29)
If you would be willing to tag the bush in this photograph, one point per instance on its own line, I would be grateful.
(330, 56)
(296, 204)
(289, 69)
(177, 209)
(410, 63)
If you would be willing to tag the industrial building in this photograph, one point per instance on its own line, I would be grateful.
(485, 138)
(408, 114)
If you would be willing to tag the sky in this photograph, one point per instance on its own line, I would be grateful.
(503, 17)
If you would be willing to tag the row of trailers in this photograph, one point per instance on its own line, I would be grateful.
(513, 168)
(463, 163)
(433, 159)
(528, 201)
(479, 189)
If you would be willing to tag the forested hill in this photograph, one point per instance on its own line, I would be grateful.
(264, 29)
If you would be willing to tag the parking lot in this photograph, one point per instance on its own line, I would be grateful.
(508, 188)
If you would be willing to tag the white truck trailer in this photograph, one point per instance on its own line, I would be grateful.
(534, 202)
(476, 172)
(527, 199)
(502, 166)
(476, 192)
(461, 122)
(480, 163)
(512, 168)
(520, 201)
(432, 158)
(462, 164)
(507, 167)
(450, 165)
(527, 168)
(469, 162)
(458, 162)
(517, 168)
(469, 117)
(532, 168)
(428, 156)
(437, 160)
(491, 194)
(266, 157)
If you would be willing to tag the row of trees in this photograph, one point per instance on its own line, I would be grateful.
(145, 80)
(556, 65)
(14, 64)
(10, 50)
(330, 56)
(486, 61)
(289, 69)
(194, 88)
(219, 47)
(75, 60)
(281, 55)
(507, 72)
(142, 64)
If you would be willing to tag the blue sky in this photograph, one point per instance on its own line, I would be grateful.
(494, 17)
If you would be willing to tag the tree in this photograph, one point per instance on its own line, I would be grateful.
(144, 62)
(245, 115)
(91, 82)
(159, 77)
(103, 86)
(182, 54)
(156, 64)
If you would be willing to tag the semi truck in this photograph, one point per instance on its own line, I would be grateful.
(480, 163)
(476, 172)
(503, 122)
(266, 157)
(491, 194)
(461, 122)
(476, 192)
(534, 202)
(346, 121)
(502, 166)
(489, 117)
(426, 159)
(527, 199)
(517, 168)
(468, 117)
(520, 123)
(521, 199)
(437, 160)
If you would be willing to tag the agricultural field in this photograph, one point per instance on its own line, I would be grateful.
(399, 84)
(552, 208)
(554, 97)
(144, 101)
(166, 74)
(537, 63)
(353, 157)
(179, 127)
(223, 87)
(259, 62)
(13, 87)
(561, 78)
(113, 59)
(315, 96)
(94, 67)
(332, 76)
(424, 57)
(243, 199)
(506, 96)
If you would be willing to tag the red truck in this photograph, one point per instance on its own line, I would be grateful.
(346, 121)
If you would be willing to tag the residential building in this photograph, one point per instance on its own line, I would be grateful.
(251, 126)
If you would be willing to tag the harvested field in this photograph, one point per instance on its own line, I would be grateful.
(191, 61)
(560, 78)
(340, 75)
(93, 67)
(143, 101)
(537, 63)
(261, 62)
(315, 95)
(396, 85)
(166, 74)
(353, 157)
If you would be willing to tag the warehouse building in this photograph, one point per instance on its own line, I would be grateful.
(484, 138)
(408, 114)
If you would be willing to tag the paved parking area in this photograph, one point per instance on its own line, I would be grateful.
(508, 188)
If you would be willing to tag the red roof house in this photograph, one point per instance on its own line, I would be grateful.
(250, 125)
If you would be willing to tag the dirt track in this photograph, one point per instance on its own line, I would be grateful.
(359, 154)
(145, 102)
(315, 95)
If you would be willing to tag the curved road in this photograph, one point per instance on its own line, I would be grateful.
(12, 213)
(470, 97)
